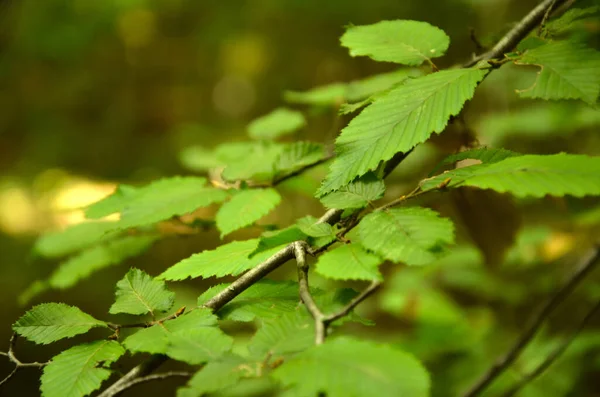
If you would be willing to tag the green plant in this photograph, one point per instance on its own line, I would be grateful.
(291, 352)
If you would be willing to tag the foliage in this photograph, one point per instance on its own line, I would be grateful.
(445, 261)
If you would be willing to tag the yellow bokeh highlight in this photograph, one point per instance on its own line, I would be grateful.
(245, 56)
(18, 213)
(557, 245)
(137, 27)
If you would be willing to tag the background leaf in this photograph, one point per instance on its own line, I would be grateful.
(349, 262)
(350, 367)
(400, 41)
(530, 175)
(245, 208)
(192, 337)
(297, 155)
(398, 121)
(216, 376)
(569, 70)
(80, 370)
(337, 93)
(50, 322)
(413, 235)
(159, 200)
(279, 122)
(93, 259)
(74, 238)
(139, 293)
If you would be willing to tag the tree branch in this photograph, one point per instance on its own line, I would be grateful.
(518, 32)
(13, 359)
(554, 355)
(588, 264)
(332, 216)
(353, 303)
(305, 295)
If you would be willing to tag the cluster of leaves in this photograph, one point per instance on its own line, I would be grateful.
(401, 110)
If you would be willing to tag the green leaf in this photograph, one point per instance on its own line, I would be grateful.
(485, 155)
(74, 238)
(346, 367)
(271, 239)
(349, 262)
(320, 234)
(310, 226)
(80, 370)
(530, 175)
(139, 293)
(336, 93)
(290, 333)
(99, 257)
(245, 208)
(542, 121)
(279, 122)
(400, 41)
(297, 155)
(265, 299)
(160, 200)
(256, 161)
(566, 21)
(413, 235)
(216, 376)
(116, 202)
(569, 70)
(398, 121)
(192, 337)
(229, 259)
(357, 194)
(198, 159)
(50, 322)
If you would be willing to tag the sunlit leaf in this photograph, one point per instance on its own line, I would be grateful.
(245, 208)
(80, 370)
(400, 41)
(228, 259)
(158, 201)
(397, 122)
(50, 322)
(139, 293)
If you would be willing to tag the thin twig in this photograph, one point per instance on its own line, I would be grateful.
(517, 33)
(353, 303)
(164, 375)
(588, 264)
(13, 359)
(554, 355)
(546, 16)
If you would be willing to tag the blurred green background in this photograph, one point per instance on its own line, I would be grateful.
(94, 93)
